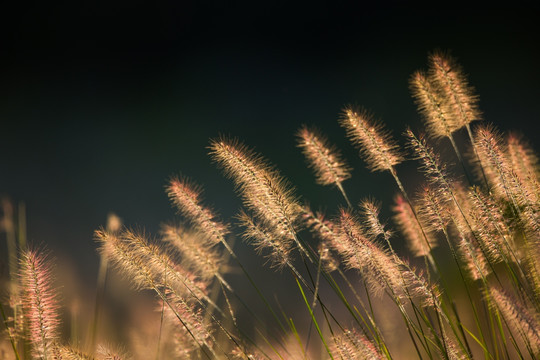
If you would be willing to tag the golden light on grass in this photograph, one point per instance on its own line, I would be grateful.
(460, 102)
(351, 275)
(323, 158)
(377, 147)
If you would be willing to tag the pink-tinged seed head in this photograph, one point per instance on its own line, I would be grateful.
(40, 303)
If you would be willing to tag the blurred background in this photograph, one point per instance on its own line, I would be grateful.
(101, 102)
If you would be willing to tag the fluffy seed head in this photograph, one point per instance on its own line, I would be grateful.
(191, 332)
(433, 210)
(432, 106)
(64, 352)
(264, 190)
(381, 270)
(187, 197)
(377, 147)
(198, 253)
(326, 231)
(519, 317)
(118, 253)
(432, 166)
(474, 258)
(353, 346)
(504, 180)
(108, 353)
(251, 354)
(373, 226)
(526, 167)
(146, 265)
(323, 158)
(491, 153)
(460, 102)
(490, 225)
(280, 247)
(359, 253)
(40, 303)
(522, 157)
(410, 228)
(453, 351)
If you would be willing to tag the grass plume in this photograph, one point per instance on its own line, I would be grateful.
(377, 147)
(40, 304)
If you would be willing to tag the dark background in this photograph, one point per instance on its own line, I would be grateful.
(100, 102)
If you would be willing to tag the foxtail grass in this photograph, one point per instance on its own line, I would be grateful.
(465, 285)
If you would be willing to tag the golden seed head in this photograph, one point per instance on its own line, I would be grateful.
(187, 196)
(324, 159)
(433, 106)
(461, 104)
(377, 147)
(410, 228)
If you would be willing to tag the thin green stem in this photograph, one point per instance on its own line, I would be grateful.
(314, 319)
(8, 330)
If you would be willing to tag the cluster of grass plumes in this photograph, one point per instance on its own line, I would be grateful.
(477, 296)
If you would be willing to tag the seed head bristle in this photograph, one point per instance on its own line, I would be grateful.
(525, 165)
(329, 261)
(490, 226)
(118, 253)
(192, 332)
(432, 106)
(326, 231)
(354, 346)
(64, 352)
(280, 248)
(433, 210)
(519, 317)
(504, 180)
(381, 270)
(370, 210)
(461, 103)
(108, 353)
(432, 165)
(415, 284)
(265, 192)
(474, 259)
(491, 153)
(407, 223)
(453, 351)
(198, 253)
(146, 265)
(40, 303)
(323, 158)
(377, 147)
(252, 354)
(187, 196)
(524, 160)
(167, 272)
(460, 216)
